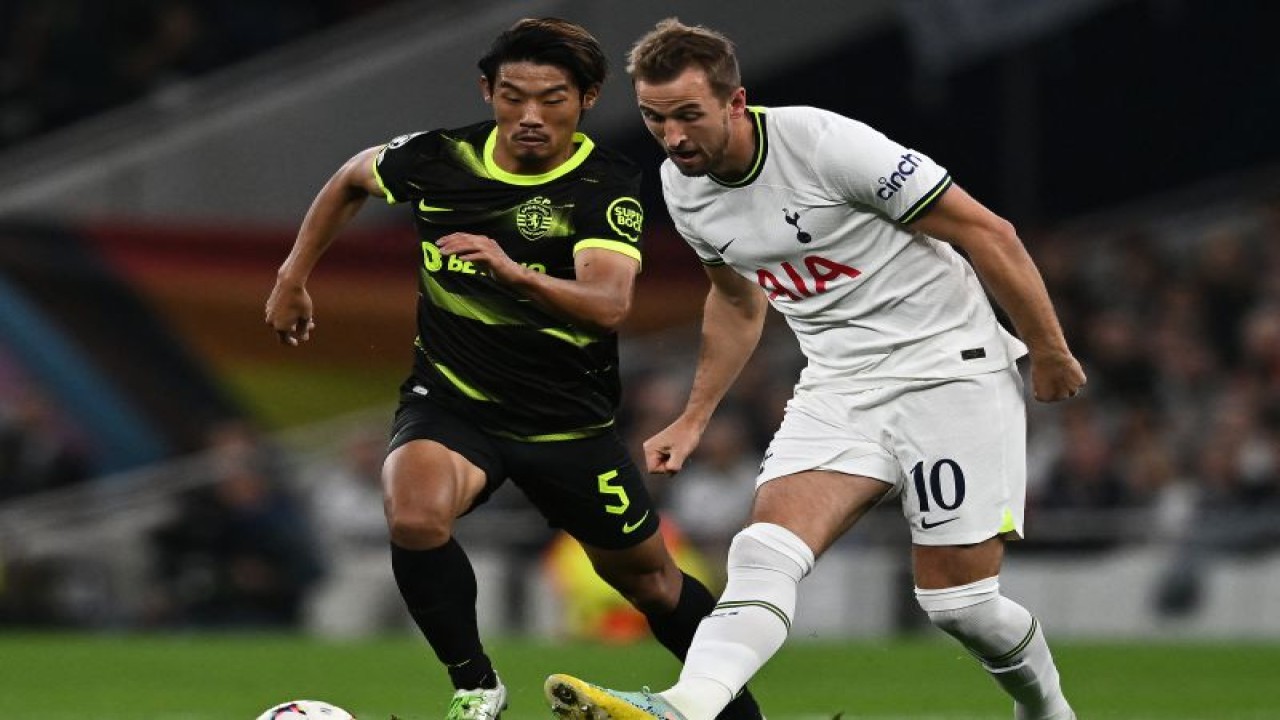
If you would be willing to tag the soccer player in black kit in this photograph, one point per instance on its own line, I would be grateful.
(530, 245)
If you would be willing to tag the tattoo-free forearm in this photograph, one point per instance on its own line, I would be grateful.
(731, 327)
(335, 205)
(1016, 285)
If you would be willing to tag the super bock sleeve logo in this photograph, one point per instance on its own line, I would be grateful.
(626, 217)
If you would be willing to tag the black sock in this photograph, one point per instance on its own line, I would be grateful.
(675, 631)
(439, 589)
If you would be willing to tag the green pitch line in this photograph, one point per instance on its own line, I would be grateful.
(225, 677)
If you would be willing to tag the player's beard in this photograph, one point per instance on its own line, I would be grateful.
(537, 159)
(713, 155)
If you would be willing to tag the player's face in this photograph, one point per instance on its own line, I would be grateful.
(537, 108)
(695, 127)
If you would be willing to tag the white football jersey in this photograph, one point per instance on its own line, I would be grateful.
(820, 223)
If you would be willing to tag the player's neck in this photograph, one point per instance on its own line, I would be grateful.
(740, 154)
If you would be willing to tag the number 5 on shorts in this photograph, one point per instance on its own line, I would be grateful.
(608, 488)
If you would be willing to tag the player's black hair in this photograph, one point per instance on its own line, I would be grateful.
(549, 41)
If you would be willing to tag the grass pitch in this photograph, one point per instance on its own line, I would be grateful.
(227, 677)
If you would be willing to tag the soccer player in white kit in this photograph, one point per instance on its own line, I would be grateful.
(911, 387)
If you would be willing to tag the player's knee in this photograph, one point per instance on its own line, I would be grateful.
(418, 528)
(770, 547)
(964, 612)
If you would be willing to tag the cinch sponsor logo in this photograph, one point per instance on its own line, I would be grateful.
(435, 261)
(890, 185)
(820, 271)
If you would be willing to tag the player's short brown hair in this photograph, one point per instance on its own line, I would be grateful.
(549, 41)
(671, 47)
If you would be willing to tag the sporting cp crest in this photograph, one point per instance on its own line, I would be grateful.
(533, 218)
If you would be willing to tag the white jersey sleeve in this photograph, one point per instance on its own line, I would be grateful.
(863, 166)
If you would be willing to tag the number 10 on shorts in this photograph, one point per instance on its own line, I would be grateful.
(945, 485)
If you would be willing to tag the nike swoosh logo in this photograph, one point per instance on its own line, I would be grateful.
(424, 207)
(926, 525)
(725, 246)
(628, 528)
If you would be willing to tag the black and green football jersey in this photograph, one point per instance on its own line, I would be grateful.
(484, 349)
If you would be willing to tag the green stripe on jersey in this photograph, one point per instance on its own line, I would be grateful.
(391, 199)
(462, 386)
(585, 146)
(467, 308)
(627, 249)
(762, 150)
(915, 211)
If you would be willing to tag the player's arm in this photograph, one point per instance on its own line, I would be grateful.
(289, 308)
(599, 297)
(732, 319)
(1013, 280)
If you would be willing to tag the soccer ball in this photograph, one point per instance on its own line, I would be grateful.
(306, 710)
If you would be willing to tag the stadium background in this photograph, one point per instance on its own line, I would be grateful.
(156, 155)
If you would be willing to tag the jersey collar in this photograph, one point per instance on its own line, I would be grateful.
(760, 130)
(585, 146)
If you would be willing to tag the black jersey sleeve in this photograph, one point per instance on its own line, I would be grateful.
(612, 217)
(400, 161)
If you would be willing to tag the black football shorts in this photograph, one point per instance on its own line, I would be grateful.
(588, 487)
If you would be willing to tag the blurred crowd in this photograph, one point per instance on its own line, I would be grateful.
(37, 452)
(1179, 328)
(63, 60)
(239, 551)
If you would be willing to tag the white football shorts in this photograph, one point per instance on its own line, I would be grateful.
(954, 450)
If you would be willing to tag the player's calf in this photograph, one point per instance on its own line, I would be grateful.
(1006, 639)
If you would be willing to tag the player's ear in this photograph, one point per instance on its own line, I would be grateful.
(590, 96)
(738, 103)
(485, 91)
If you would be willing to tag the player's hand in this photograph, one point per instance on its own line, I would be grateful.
(483, 253)
(665, 452)
(289, 313)
(1056, 376)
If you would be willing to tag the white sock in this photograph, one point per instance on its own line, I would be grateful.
(1006, 639)
(749, 624)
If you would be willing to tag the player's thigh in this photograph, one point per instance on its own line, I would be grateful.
(817, 505)
(961, 446)
(829, 431)
(588, 487)
(438, 463)
(825, 467)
